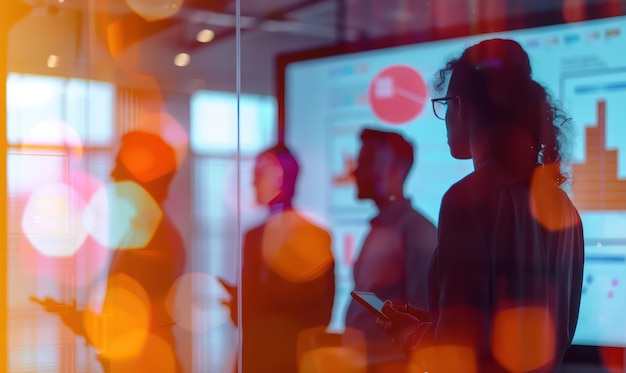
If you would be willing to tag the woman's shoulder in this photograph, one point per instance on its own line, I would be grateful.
(479, 187)
(466, 190)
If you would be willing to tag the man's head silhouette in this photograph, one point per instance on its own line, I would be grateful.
(148, 160)
(383, 164)
(275, 174)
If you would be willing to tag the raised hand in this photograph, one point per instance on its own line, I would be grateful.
(68, 313)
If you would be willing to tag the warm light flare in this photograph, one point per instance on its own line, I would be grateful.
(548, 203)
(320, 351)
(333, 359)
(523, 338)
(119, 332)
(156, 356)
(446, 358)
(169, 129)
(295, 248)
(146, 157)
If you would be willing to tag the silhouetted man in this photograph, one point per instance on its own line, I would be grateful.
(393, 262)
(134, 330)
(287, 274)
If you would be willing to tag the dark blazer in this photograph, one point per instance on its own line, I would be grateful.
(287, 286)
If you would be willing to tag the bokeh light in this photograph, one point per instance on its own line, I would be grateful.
(53, 61)
(547, 202)
(146, 157)
(195, 302)
(182, 59)
(119, 332)
(122, 216)
(53, 133)
(446, 358)
(205, 35)
(156, 356)
(169, 129)
(333, 359)
(153, 10)
(295, 248)
(320, 351)
(34, 249)
(523, 338)
(52, 220)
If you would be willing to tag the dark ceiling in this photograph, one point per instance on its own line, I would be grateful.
(107, 39)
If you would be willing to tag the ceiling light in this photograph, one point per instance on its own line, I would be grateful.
(205, 36)
(182, 59)
(154, 10)
(53, 61)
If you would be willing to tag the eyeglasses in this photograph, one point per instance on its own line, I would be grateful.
(440, 105)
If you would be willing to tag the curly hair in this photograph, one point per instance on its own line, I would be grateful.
(497, 82)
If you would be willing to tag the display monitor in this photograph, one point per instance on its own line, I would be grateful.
(328, 100)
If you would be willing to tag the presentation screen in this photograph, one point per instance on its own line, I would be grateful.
(327, 101)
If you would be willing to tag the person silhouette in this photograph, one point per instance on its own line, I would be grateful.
(134, 330)
(394, 259)
(287, 282)
(505, 281)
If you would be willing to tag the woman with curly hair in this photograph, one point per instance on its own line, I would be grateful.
(505, 281)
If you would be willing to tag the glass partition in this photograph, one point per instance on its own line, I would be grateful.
(120, 218)
(189, 185)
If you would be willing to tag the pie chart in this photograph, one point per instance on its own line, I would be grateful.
(397, 94)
